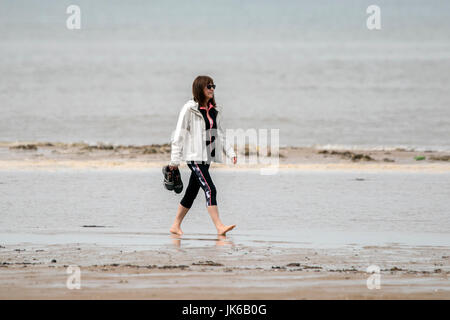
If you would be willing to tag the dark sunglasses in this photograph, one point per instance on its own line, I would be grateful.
(209, 86)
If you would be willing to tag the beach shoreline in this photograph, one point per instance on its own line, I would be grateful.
(119, 262)
(46, 155)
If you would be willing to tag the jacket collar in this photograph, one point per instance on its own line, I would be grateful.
(194, 107)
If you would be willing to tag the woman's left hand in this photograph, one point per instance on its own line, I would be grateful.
(234, 160)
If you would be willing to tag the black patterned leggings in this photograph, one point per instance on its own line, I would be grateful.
(199, 178)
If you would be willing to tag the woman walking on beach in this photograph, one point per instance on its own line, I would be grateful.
(194, 137)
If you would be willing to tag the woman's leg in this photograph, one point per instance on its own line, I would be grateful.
(185, 203)
(221, 228)
(176, 226)
(206, 183)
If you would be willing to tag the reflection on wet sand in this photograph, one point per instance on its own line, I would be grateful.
(220, 240)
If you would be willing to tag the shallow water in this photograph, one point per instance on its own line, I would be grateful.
(290, 209)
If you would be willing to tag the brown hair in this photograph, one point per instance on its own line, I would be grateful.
(198, 85)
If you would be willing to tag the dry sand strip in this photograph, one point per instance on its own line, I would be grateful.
(53, 156)
(52, 165)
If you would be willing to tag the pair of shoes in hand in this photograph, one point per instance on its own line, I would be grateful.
(172, 179)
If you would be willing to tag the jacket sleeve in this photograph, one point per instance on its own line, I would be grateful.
(226, 145)
(178, 137)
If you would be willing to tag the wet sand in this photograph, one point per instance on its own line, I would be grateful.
(224, 271)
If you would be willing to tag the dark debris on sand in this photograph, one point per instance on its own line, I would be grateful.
(207, 263)
(293, 264)
(278, 268)
(92, 226)
(150, 266)
(440, 158)
(144, 149)
(28, 147)
(348, 155)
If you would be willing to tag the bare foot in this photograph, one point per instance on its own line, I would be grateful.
(225, 229)
(176, 230)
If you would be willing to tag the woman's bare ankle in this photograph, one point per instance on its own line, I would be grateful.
(176, 230)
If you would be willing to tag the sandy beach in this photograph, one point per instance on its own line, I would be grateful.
(45, 233)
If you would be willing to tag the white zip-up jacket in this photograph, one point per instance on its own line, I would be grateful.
(189, 138)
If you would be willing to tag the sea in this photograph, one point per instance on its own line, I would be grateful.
(312, 69)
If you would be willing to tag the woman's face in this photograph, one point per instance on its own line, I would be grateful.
(209, 93)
